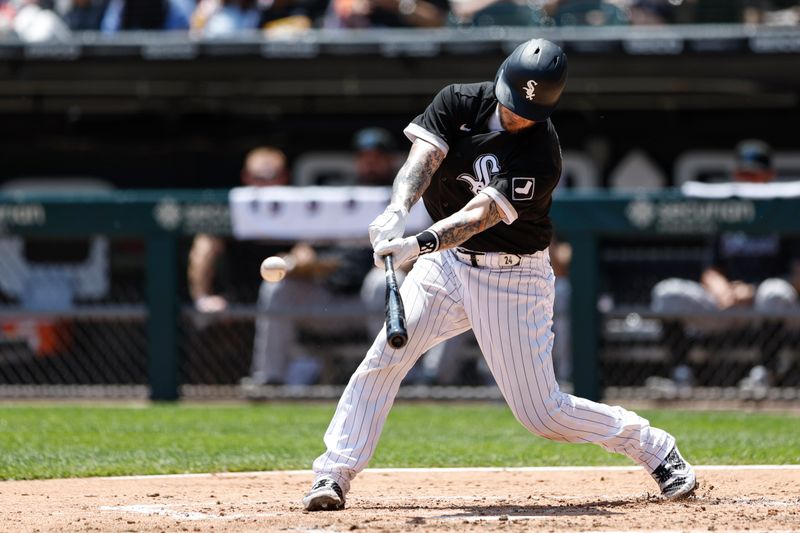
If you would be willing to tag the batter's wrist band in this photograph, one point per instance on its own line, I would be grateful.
(428, 241)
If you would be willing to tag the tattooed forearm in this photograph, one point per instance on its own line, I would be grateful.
(415, 175)
(470, 221)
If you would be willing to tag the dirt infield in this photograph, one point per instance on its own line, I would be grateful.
(592, 499)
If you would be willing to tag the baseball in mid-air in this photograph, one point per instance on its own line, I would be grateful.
(273, 269)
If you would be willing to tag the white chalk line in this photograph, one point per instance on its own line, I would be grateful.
(164, 510)
(174, 510)
(486, 469)
(762, 501)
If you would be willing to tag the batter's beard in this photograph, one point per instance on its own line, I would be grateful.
(510, 128)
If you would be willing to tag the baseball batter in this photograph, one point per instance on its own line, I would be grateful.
(485, 160)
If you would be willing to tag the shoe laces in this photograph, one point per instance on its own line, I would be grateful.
(324, 482)
(662, 473)
(674, 460)
(671, 463)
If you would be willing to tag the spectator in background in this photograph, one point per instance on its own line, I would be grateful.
(211, 257)
(651, 12)
(375, 165)
(386, 13)
(498, 13)
(586, 12)
(34, 21)
(776, 12)
(560, 259)
(771, 12)
(84, 15)
(716, 11)
(659, 12)
(7, 14)
(375, 161)
(263, 167)
(224, 17)
(341, 274)
(761, 272)
(233, 16)
(124, 15)
(291, 15)
(319, 276)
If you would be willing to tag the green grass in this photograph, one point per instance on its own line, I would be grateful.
(68, 441)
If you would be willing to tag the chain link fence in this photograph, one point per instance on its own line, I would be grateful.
(668, 349)
(71, 314)
(73, 317)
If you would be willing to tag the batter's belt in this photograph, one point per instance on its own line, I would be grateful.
(487, 259)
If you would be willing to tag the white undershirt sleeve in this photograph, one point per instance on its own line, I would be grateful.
(415, 131)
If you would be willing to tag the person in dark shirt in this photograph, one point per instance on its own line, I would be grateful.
(386, 13)
(221, 270)
(742, 270)
(318, 276)
(210, 291)
(127, 15)
(485, 159)
(85, 15)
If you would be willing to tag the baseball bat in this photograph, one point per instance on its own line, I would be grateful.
(396, 334)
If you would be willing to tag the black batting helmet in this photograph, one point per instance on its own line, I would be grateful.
(531, 79)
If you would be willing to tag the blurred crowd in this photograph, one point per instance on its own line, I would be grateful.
(41, 20)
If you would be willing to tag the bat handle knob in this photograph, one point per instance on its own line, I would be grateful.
(397, 341)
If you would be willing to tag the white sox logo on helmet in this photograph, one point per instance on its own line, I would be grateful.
(485, 166)
(530, 89)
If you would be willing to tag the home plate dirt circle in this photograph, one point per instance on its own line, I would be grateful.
(758, 498)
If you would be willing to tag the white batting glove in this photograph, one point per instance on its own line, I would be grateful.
(403, 250)
(388, 225)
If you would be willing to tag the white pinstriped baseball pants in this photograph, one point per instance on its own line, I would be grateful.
(510, 310)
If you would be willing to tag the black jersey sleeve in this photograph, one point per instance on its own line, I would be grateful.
(439, 123)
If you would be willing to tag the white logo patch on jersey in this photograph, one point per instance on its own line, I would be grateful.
(522, 188)
(484, 166)
(530, 89)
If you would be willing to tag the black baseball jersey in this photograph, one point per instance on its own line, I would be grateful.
(519, 171)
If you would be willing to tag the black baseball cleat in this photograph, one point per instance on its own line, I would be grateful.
(675, 476)
(325, 495)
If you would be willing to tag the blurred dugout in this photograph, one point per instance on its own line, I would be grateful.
(59, 330)
(63, 320)
(725, 311)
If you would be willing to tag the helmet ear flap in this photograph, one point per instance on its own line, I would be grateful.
(531, 79)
